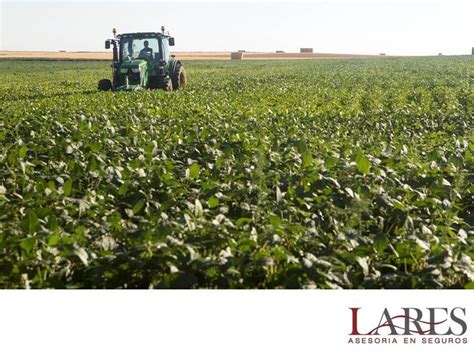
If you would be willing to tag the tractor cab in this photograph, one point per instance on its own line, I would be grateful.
(142, 60)
(151, 47)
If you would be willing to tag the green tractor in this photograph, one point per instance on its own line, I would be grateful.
(142, 60)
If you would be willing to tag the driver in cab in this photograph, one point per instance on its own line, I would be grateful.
(146, 52)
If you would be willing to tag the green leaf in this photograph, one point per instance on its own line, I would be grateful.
(79, 231)
(219, 161)
(123, 189)
(213, 202)
(30, 223)
(380, 242)
(51, 185)
(95, 147)
(28, 244)
(469, 286)
(194, 170)
(363, 164)
(243, 220)
(53, 239)
(22, 152)
(330, 162)
(137, 207)
(301, 146)
(307, 159)
(275, 220)
(67, 188)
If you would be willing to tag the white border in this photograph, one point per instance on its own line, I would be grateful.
(208, 322)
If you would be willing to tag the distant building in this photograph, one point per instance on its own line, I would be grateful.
(306, 50)
(280, 52)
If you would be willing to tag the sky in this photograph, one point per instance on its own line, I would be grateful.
(419, 27)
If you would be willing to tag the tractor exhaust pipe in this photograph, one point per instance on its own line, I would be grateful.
(115, 52)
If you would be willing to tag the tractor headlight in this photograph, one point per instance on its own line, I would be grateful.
(123, 71)
(136, 70)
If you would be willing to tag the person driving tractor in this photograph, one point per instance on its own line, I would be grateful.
(146, 52)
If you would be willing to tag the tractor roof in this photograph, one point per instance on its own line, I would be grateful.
(143, 35)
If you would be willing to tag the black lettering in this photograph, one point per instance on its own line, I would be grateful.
(433, 319)
(459, 321)
(388, 322)
(419, 315)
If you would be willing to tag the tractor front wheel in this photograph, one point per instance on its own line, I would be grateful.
(105, 85)
(179, 77)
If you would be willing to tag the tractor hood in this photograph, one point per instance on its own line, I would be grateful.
(133, 75)
(137, 64)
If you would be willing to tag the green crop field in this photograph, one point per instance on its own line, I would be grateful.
(354, 173)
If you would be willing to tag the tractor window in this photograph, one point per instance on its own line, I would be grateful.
(135, 48)
(166, 48)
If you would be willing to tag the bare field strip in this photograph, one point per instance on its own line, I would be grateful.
(180, 55)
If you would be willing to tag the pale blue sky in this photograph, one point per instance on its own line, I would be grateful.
(422, 27)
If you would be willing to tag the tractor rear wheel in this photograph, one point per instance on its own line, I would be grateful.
(179, 77)
(105, 85)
